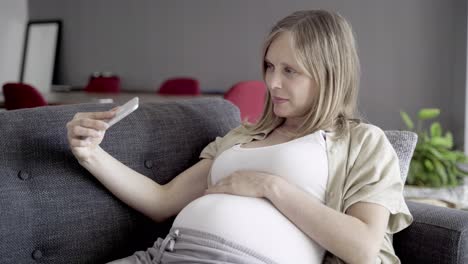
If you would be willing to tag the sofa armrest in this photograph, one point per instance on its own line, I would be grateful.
(437, 235)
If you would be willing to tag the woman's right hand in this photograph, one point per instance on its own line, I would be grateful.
(86, 131)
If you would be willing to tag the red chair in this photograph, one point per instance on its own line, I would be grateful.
(249, 96)
(102, 84)
(180, 86)
(21, 95)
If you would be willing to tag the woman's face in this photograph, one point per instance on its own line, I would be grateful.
(292, 92)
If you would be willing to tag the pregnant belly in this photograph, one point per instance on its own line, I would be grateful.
(252, 222)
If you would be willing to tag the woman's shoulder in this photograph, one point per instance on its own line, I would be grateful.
(238, 131)
(223, 142)
(365, 130)
(365, 135)
(235, 136)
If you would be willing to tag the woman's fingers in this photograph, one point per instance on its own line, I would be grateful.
(96, 125)
(86, 126)
(95, 115)
(218, 189)
(79, 131)
(102, 115)
(92, 123)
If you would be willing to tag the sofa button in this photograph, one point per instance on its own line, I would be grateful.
(23, 175)
(148, 164)
(37, 254)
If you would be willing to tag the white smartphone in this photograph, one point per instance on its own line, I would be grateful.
(124, 110)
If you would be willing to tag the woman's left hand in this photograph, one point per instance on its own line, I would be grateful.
(243, 183)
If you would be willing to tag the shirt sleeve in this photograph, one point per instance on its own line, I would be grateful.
(210, 151)
(213, 149)
(375, 178)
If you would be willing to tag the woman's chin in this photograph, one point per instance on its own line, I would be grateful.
(280, 112)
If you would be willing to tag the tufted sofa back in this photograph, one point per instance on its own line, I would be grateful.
(54, 211)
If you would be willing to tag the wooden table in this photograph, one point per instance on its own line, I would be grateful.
(60, 98)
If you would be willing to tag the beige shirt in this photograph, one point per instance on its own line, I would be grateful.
(362, 167)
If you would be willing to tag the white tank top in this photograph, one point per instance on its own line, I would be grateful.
(255, 222)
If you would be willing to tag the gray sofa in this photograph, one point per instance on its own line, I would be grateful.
(53, 211)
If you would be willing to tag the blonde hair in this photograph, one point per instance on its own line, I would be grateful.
(325, 49)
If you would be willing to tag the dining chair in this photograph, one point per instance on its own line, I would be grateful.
(21, 95)
(180, 86)
(249, 97)
(103, 84)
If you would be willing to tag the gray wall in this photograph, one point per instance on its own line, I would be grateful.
(456, 99)
(13, 18)
(413, 52)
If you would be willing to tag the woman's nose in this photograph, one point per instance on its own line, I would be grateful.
(273, 80)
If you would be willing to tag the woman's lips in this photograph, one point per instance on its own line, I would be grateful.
(278, 100)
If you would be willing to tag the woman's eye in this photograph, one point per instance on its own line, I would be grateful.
(289, 70)
(268, 66)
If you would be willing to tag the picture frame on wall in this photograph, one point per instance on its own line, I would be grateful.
(40, 54)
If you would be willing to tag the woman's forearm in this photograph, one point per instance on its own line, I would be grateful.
(345, 236)
(131, 187)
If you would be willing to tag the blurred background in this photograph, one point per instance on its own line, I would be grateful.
(413, 53)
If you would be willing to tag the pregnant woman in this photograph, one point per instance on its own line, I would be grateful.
(308, 183)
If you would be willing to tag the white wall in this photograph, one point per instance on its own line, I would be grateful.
(13, 19)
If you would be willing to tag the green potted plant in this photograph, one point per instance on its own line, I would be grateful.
(434, 162)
